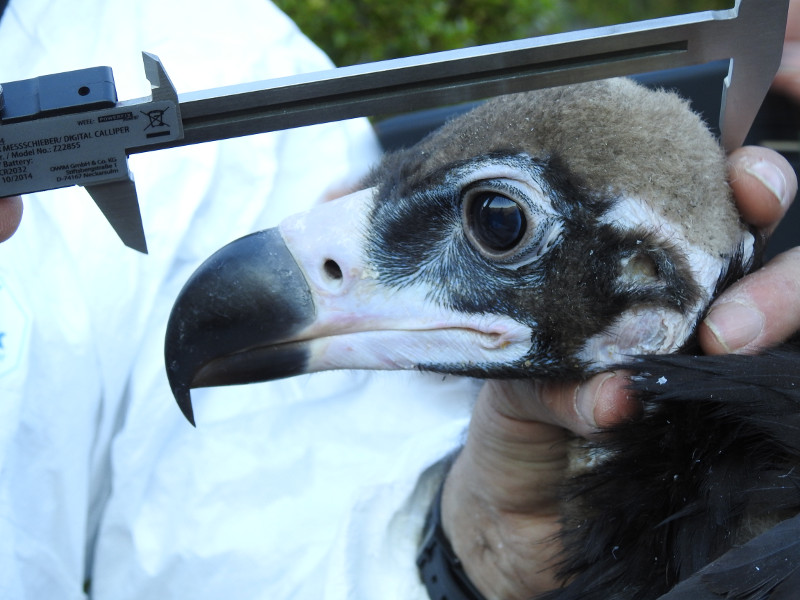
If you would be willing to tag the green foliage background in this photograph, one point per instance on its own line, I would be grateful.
(357, 31)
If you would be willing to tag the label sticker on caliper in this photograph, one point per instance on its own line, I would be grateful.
(82, 148)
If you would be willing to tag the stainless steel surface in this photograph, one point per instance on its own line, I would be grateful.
(751, 34)
(119, 204)
(90, 147)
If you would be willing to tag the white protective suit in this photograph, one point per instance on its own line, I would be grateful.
(313, 487)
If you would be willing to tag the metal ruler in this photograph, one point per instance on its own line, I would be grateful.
(70, 129)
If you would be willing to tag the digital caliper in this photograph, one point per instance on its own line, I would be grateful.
(69, 128)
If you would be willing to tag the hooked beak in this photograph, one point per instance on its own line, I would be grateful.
(213, 335)
(304, 297)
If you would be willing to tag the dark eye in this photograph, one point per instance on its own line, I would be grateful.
(496, 222)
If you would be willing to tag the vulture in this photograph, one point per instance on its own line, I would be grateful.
(549, 234)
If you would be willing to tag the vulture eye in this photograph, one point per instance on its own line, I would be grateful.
(494, 222)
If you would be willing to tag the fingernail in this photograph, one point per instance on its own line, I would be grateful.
(586, 398)
(772, 178)
(734, 324)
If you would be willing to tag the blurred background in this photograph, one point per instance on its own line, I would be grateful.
(358, 31)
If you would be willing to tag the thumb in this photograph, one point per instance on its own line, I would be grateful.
(10, 216)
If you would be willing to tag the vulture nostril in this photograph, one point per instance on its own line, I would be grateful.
(332, 270)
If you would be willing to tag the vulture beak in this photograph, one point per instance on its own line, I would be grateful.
(302, 298)
(248, 295)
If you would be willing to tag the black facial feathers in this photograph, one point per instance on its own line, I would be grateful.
(570, 293)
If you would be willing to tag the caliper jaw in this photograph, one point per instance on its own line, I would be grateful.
(117, 200)
(78, 142)
(68, 129)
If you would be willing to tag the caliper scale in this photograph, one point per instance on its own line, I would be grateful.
(68, 128)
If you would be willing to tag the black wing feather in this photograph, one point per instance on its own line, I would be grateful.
(749, 572)
(714, 459)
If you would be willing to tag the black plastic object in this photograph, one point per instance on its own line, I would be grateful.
(440, 569)
(57, 94)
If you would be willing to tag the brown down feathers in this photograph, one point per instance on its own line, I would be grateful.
(609, 134)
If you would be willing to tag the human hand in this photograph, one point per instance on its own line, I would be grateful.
(500, 505)
(787, 80)
(762, 309)
(10, 216)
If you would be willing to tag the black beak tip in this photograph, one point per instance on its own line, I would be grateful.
(183, 396)
(179, 377)
(233, 314)
(184, 399)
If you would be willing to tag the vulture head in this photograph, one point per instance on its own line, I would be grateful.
(550, 234)
(547, 234)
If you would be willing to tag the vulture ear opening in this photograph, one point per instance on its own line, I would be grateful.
(639, 330)
(639, 269)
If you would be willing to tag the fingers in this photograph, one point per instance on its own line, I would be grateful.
(10, 216)
(605, 400)
(787, 79)
(761, 310)
(764, 185)
(582, 408)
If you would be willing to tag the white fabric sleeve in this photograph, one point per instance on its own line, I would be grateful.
(101, 479)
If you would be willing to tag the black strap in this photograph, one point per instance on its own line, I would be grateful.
(3, 4)
(441, 570)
